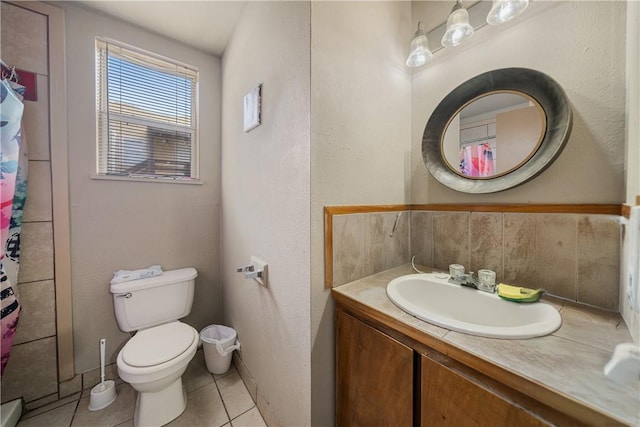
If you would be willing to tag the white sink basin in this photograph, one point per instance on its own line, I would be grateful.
(432, 298)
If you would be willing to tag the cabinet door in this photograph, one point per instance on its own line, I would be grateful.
(450, 399)
(374, 376)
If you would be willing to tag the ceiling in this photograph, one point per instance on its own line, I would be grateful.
(205, 25)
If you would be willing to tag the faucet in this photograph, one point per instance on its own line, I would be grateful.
(459, 277)
(465, 279)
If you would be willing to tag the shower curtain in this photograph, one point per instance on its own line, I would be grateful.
(13, 191)
(476, 160)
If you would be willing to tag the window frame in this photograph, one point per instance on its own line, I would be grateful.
(145, 59)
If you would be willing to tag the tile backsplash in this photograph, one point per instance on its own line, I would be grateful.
(366, 243)
(572, 256)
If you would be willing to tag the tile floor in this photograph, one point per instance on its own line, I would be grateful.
(213, 400)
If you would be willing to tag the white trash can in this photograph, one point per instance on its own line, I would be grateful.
(218, 342)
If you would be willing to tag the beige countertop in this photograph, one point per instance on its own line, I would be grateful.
(568, 362)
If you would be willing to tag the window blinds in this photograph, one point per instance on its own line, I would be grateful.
(146, 114)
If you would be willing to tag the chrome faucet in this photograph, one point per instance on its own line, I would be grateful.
(459, 277)
(466, 279)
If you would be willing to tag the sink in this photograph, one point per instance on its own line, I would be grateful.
(430, 297)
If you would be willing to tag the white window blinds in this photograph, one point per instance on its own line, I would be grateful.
(146, 114)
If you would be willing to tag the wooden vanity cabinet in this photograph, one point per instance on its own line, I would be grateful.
(448, 398)
(382, 381)
(374, 376)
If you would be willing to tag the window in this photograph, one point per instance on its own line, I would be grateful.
(146, 114)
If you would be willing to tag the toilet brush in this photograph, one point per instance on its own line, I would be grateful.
(103, 394)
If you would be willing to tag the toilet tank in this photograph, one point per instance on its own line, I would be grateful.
(143, 303)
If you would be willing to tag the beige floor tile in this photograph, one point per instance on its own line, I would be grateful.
(59, 417)
(251, 418)
(196, 375)
(231, 370)
(118, 412)
(46, 408)
(235, 396)
(204, 408)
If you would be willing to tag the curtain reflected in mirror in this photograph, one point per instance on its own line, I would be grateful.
(493, 135)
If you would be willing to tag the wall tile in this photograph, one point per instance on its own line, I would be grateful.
(396, 247)
(348, 248)
(374, 243)
(374, 258)
(451, 239)
(31, 371)
(24, 39)
(36, 252)
(599, 261)
(486, 242)
(69, 387)
(36, 122)
(574, 257)
(519, 249)
(555, 244)
(38, 204)
(38, 317)
(422, 237)
(42, 402)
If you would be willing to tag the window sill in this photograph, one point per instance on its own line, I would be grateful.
(190, 181)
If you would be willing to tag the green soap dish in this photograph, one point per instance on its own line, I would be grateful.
(518, 294)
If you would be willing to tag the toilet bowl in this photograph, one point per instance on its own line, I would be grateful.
(154, 359)
(153, 362)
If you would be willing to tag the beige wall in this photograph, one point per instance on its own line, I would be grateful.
(581, 46)
(360, 141)
(265, 207)
(633, 148)
(128, 225)
(633, 102)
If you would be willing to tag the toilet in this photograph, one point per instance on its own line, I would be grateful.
(154, 359)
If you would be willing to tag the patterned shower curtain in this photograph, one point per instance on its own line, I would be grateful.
(13, 192)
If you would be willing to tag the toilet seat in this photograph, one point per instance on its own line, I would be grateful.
(158, 345)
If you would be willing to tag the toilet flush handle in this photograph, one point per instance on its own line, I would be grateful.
(127, 295)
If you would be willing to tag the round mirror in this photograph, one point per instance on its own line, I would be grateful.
(497, 130)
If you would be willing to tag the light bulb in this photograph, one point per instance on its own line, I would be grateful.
(458, 27)
(419, 53)
(505, 10)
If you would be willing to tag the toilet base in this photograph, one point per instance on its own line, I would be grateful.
(158, 408)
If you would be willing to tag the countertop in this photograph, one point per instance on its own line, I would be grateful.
(568, 362)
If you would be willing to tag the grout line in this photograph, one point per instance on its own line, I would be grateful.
(222, 400)
(248, 410)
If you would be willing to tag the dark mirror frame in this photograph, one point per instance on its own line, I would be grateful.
(535, 84)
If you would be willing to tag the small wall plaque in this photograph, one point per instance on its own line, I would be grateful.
(252, 108)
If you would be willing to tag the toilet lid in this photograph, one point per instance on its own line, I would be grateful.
(157, 345)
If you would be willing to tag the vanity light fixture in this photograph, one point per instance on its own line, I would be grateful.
(458, 27)
(419, 52)
(505, 10)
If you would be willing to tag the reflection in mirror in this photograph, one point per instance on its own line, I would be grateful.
(550, 101)
(493, 135)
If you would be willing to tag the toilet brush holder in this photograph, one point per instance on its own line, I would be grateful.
(102, 395)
